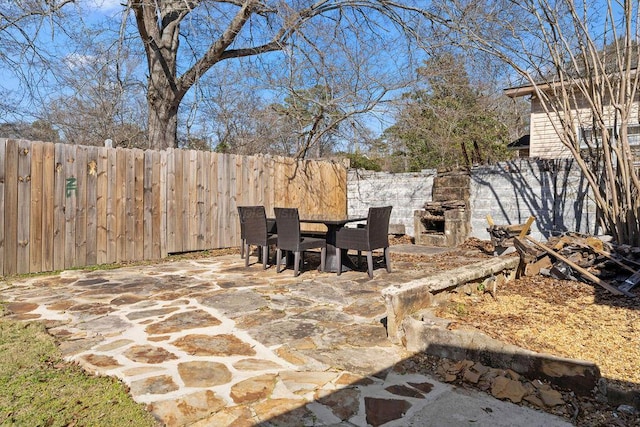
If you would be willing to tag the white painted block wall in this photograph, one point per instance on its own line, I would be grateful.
(551, 190)
(406, 192)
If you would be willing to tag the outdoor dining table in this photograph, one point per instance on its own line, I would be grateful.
(333, 224)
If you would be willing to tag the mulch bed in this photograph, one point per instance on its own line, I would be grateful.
(565, 318)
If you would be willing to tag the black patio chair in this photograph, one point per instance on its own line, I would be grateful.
(290, 239)
(255, 230)
(374, 235)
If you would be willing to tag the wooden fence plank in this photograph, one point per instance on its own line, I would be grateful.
(11, 208)
(70, 203)
(187, 208)
(112, 205)
(269, 179)
(24, 206)
(3, 159)
(138, 201)
(239, 198)
(91, 235)
(161, 205)
(130, 215)
(191, 182)
(226, 185)
(214, 165)
(172, 203)
(200, 197)
(120, 213)
(80, 171)
(48, 206)
(59, 202)
(148, 205)
(36, 211)
(102, 182)
(206, 199)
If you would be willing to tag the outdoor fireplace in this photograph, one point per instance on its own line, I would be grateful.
(445, 220)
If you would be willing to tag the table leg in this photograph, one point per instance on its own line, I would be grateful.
(331, 261)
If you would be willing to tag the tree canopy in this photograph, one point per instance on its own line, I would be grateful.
(448, 122)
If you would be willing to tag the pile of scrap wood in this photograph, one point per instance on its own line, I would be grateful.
(574, 256)
(502, 235)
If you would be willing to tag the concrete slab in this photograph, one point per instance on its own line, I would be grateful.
(463, 408)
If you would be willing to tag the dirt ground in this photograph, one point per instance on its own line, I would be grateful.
(576, 320)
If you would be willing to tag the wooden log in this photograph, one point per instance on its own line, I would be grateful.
(581, 270)
(609, 257)
(533, 269)
(527, 252)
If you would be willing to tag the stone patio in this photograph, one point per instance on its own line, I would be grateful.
(208, 342)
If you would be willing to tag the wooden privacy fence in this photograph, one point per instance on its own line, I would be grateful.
(68, 206)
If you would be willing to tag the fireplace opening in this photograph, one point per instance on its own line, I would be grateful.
(433, 225)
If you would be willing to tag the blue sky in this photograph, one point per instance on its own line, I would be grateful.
(94, 11)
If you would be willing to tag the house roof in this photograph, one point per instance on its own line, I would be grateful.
(518, 91)
(522, 142)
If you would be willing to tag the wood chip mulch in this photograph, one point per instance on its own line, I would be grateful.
(572, 319)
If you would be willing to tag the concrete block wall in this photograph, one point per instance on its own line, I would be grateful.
(553, 191)
(406, 192)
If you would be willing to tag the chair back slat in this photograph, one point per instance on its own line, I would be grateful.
(288, 224)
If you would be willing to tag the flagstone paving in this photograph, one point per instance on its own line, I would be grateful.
(208, 342)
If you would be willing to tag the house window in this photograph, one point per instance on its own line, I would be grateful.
(589, 137)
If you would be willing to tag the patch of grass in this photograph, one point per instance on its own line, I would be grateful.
(459, 309)
(40, 389)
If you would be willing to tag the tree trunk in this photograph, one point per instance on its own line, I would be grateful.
(163, 120)
(163, 101)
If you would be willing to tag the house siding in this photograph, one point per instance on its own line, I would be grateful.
(545, 143)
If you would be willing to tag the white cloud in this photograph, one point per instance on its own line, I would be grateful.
(75, 61)
(105, 5)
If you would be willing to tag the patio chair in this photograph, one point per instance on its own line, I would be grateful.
(374, 235)
(254, 230)
(290, 239)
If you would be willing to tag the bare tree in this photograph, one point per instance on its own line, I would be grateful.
(22, 23)
(98, 97)
(309, 101)
(232, 29)
(579, 59)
